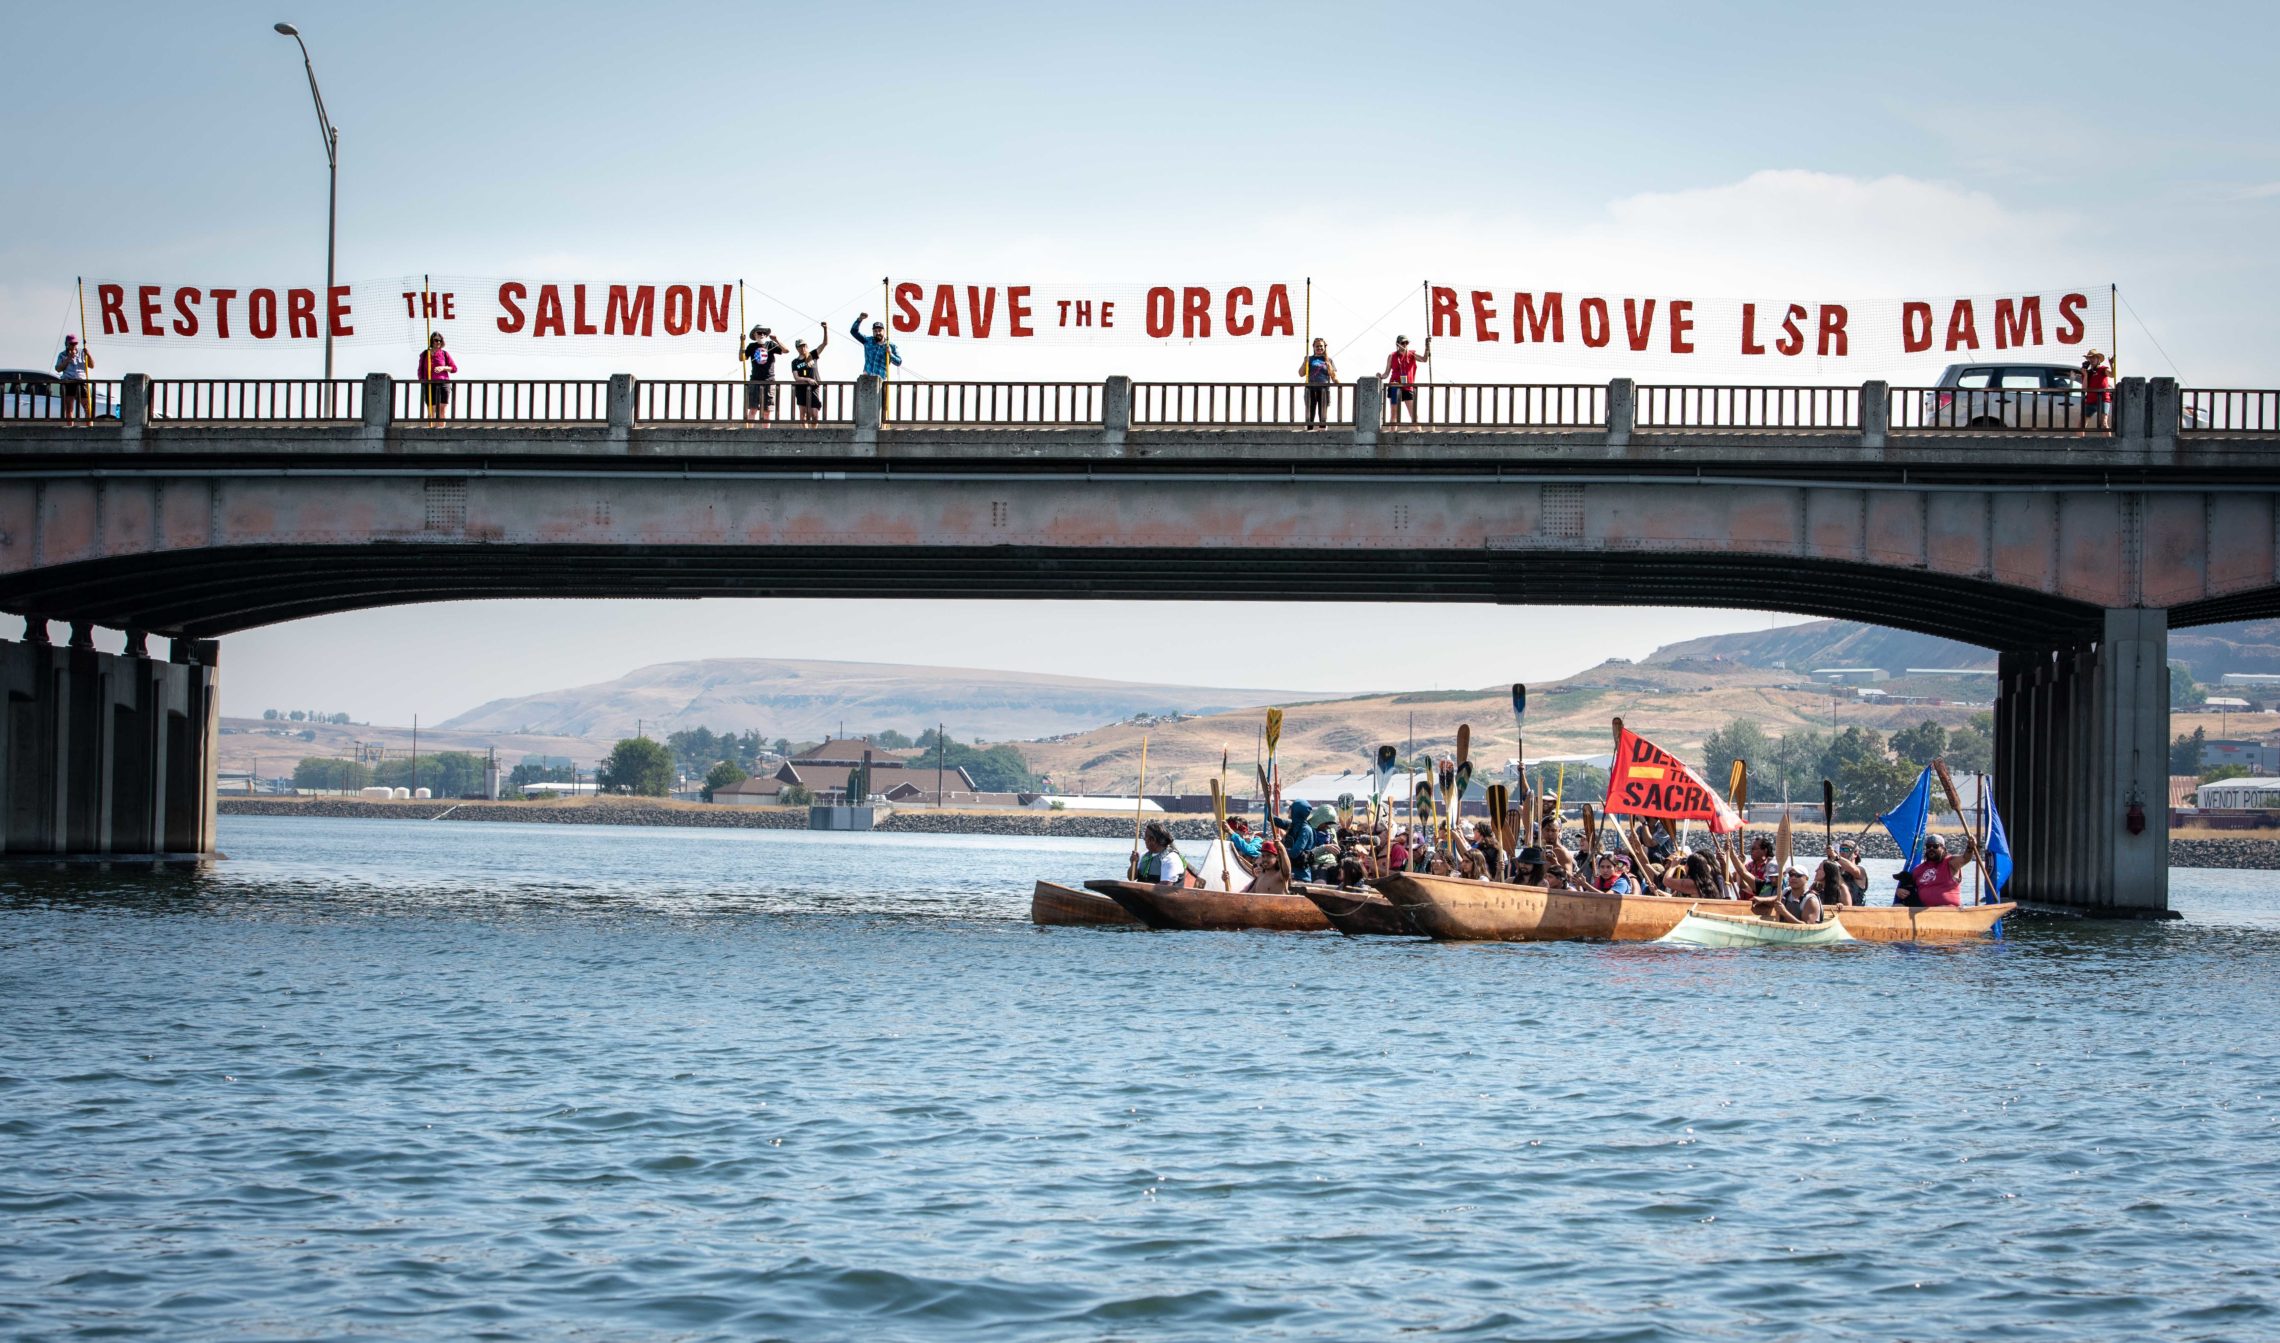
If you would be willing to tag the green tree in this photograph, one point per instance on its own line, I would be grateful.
(1868, 779)
(995, 769)
(2224, 772)
(537, 771)
(891, 740)
(1922, 744)
(795, 795)
(722, 775)
(2184, 693)
(2185, 752)
(443, 774)
(1741, 739)
(1795, 764)
(324, 774)
(1971, 748)
(639, 766)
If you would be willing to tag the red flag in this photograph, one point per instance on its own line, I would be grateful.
(1649, 781)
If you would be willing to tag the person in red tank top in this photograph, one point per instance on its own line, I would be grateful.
(1939, 878)
(1401, 379)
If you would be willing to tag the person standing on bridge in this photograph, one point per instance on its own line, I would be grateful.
(71, 366)
(1320, 375)
(807, 380)
(878, 351)
(436, 368)
(1401, 379)
(760, 353)
(2097, 389)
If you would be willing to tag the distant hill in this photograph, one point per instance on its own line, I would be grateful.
(1826, 643)
(2212, 650)
(807, 701)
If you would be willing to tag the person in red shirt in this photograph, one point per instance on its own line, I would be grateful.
(1401, 379)
(2097, 389)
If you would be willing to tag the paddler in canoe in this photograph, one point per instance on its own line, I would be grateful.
(1162, 864)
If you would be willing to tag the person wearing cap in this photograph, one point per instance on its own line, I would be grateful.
(1401, 379)
(2097, 389)
(1846, 860)
(760, 351)
(878, 351)
(71, 366)
(1939, 878)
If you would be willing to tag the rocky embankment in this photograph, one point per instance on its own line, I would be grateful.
(2260, 854)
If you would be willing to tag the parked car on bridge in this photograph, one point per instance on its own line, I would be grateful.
(28, 394)
(2015, 396)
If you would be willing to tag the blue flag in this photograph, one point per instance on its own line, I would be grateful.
(1998, 849)
(1906, 821)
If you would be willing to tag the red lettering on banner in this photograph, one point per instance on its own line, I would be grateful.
(300, 312)
(1239, 325)
(186, 304)
(513, 319)
(1749, 330)
(1277, 320)
(1915, 327)
(1529, 324)
(944, 321)
(579, 326)
(1681, 325)
(1195, 312)
(1792, 338)
(1064, 306)
(111, 300)
(1107, 313)
(1444, 321)
(146, 307)
(1159, 313)
(549, 319)
(630, 311)
(1833, 341)
(2070, 326)
(1017, 311)
(1963, 327)
(1084, 311)
(450, 307)
(1591, 316)
(680, 304)
(261, 314)
(1638, 325)
(2015, 321)
(905, 315)
(1483, 314)
(337, 311)
(221, 298)
(981, 309)
(410, 295)
(712, 308)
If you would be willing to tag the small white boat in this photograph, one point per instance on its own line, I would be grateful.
(1743, 930)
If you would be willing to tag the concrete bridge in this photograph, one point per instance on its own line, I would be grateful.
(2069, 552)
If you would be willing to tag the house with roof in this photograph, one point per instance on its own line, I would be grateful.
(823, 771)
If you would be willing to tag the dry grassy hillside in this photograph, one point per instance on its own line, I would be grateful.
(1675, 707)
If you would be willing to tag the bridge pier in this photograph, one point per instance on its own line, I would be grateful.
(107, 754)
(2082, 767)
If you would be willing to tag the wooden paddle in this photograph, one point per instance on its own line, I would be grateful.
(1226, 851)
(1828, 820)
(1421, 805)
(1955, 804)
(1738, 793)
(1139, 800)
(1500, 802)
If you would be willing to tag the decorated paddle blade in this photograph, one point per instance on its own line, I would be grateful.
(1519, 701)
(1388, 760)
(1464, 742)
(1274, 728)
(1345, 809)
(1464, 780)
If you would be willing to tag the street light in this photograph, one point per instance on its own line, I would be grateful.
(331, 136)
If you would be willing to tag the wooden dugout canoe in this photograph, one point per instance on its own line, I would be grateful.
(1359, 913)
(1698, 929)
(1198, 910)
(1066, 906)
(1939, 923)
(1455, 910)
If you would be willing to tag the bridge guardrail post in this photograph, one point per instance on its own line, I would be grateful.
(134, 406)
(1875, 413)
(1369, 399)
(2130, 414)
(1622, 411)
(870, 401)
(1115, 409)
(379, 405)
(621, 404)
(2165, 407)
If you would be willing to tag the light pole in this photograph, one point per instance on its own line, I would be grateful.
(331, 136)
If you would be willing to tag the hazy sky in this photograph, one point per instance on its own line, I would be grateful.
(1860, 150)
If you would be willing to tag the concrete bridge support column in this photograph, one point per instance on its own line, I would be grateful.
(2082, 757)
(106, 754)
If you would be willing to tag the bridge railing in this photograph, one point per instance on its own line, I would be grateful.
(1211, 405)
(2230, 411)
(911, 404)
(1995, 410)
(1742, 408)
(1496, 405)
(504, 401)
(682, 401)
(256, 400)
(39, 398)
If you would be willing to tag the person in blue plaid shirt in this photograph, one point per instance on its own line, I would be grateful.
(877, 349)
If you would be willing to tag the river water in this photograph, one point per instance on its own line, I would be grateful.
(390, 1080)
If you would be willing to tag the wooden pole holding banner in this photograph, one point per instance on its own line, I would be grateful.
(86, 355)
(886, 352)
(737, 341)
(427, 350)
